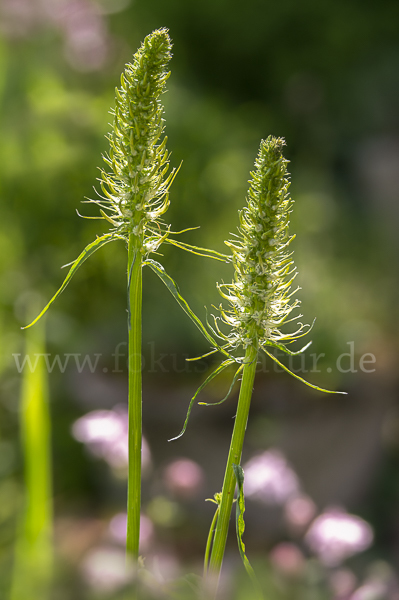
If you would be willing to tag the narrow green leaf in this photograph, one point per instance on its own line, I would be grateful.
(210, 538)
(315, 387)
(214, 373)
(129, 324)
(236, 375)
(240, 526)
(206, 252)
(87, 252)
(202, 355)
(286, 350)
(174, 290)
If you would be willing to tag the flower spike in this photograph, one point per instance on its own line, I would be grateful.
(260, 297)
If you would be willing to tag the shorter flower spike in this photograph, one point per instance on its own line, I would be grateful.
(260, 296)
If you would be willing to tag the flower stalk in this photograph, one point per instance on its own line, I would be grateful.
(234, 457)
(259, 304)
(134, 399)
(135, 197)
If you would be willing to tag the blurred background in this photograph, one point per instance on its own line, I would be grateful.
(322, 471)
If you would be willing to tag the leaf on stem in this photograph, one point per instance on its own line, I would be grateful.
(236, 375)
(240, 526)
(174, 290)
(129, 324)
(206, 252)
(286, 350)
(315, 387)
(87, 252)
(214, 373)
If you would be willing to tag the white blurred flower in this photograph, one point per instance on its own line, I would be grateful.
(269, 478)
(335, 535)
(373, 590)
(105, 433)
(104, 569)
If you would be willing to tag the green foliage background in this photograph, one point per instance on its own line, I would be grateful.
(321, 74)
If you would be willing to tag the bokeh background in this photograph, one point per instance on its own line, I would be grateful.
(325, 76)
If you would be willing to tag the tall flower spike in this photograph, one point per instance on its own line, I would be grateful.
(136, 190)
(260, 298)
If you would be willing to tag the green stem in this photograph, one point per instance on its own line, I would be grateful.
(135, 400)
(229, 483)
(209, 541)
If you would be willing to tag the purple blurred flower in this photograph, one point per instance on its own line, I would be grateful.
(269, 478)
(184, 477)
(335, 535)
(86, 39)
(105, 433)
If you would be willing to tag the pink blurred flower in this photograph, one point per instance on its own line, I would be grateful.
(299, 511)
(86, 39)
(269, 478)
(342, 583)
(288, 559)
(335, 535)
(17, 17)
(118, 528)
(184, 477)
(105, 433)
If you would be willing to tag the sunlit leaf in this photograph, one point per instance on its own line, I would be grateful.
(315, 387)
(87, 252)
(174, 290)
(236, 375)
(240, 526)
(214, 373)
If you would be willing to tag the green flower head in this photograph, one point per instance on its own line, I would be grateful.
(260, 296)
(136, 189)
